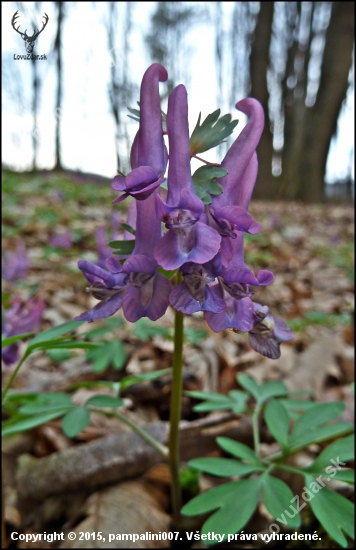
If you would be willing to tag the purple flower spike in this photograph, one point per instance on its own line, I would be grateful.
(137, 286)
(268, 332)
(20, 318)
(187, 239)
(15, 264)
(148, 153)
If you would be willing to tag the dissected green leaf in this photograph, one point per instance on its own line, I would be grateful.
(342, 449)
(212, 131)
(122, 248)
(109, 353)
(249, 385)
(138, 378)
(314, 418)
(105, 401)
(205, 184)
(278, 499)
(235, 401)
(295, 407)
(239, 450)
(75, 421)
(335, 512)
(18, 424)
(236, 510)
(145, 329)
(277, 420)
(223, 467)
(321, 434)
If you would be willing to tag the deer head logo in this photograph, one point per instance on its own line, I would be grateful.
(29, 40)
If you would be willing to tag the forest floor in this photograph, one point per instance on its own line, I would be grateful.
(310, 249)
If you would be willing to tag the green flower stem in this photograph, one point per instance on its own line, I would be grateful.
(13, 376)
(162, 449)
(175, 413)
(255, 428)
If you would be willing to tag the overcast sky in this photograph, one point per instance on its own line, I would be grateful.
(87, 125)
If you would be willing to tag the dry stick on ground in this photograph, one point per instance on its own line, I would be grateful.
(118, 457)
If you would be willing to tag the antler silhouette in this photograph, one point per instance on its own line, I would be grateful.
(13, 21)
(44, 24)
(29, 40)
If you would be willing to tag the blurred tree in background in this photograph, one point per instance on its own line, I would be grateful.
(294, 57)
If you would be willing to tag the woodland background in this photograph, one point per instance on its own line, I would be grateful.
(66, 133)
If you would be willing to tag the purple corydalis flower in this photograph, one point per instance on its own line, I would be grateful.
(187, 239)
(196, 292)
(148, 153)
(62, 240)
(268, 332)
(15, 264)
(22, 317)
(137, 286)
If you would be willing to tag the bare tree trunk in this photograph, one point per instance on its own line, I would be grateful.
(265, 186)
(58, 50)
(35, 86)
(321, 122)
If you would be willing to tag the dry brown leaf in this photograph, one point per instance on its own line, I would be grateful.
(126, 509)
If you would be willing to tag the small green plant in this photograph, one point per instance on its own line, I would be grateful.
(295, 424)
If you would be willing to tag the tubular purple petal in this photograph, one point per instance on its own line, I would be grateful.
(241, 151)
(150, 143)
(179, 175)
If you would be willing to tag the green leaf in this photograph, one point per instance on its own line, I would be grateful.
(239, 401)
(335, 512)
(38, 408)
(211, 132)
(222, 467)
(271, 389)
(64, 345)
(249, 385)
(239, 450)
(123, 248)
(54, 332)
(109, 353)
(209, 395)
(20, 424)
(342, 449)
(277, 420)
(195, 335)
(105, 401)
(138, 378)
(205, 184)
(128, 228)
(12, 339)
(236, 501)
(75, 421)
(319, 435)
(312, 419)
(347, 475)
(278, 499)
(144, 330)
(58, 355)
(295, 406)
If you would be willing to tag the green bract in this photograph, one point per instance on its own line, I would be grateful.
(211, 132)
